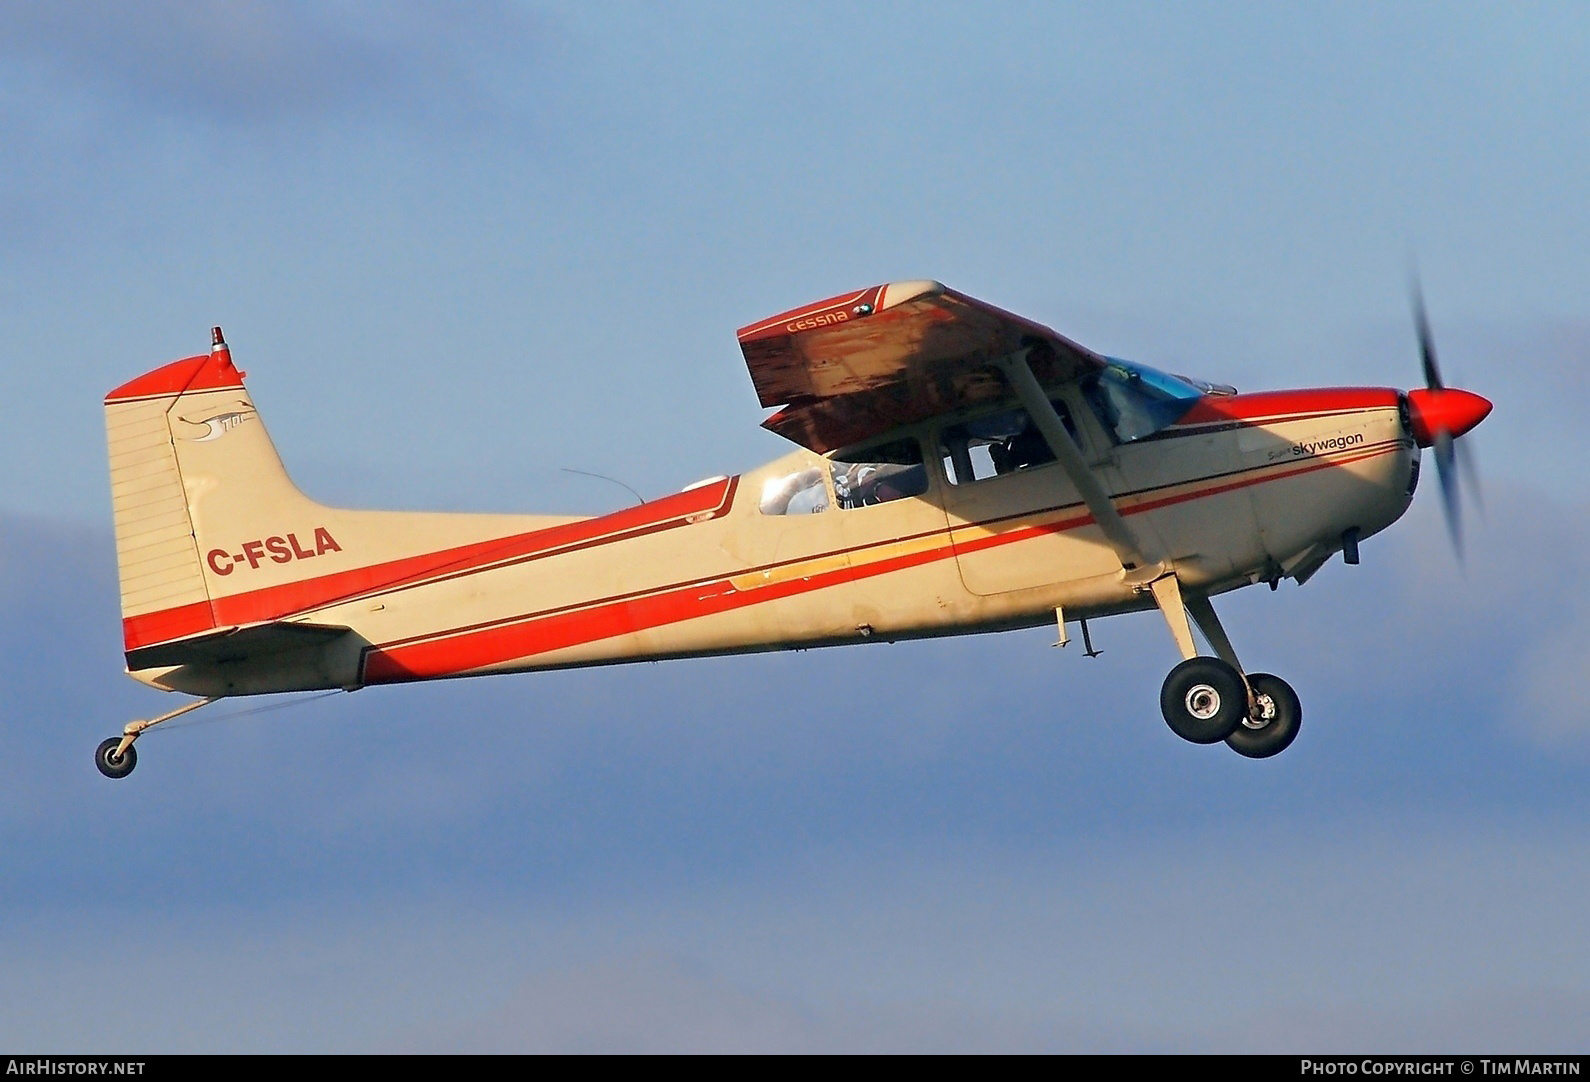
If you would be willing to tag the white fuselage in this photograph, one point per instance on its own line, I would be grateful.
(1246, 490)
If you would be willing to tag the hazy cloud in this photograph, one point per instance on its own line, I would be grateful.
(653, 1005)
(1404, 937)
(239, 64)
(1551, 685)
(1538, 375)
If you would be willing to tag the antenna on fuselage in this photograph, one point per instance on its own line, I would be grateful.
(639, 499)
(1064, 640)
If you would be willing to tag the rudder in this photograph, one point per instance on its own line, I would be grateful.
(174, 435)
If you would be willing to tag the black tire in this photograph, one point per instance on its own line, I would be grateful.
(1277, 733)
(1203, 700)
(115, 767)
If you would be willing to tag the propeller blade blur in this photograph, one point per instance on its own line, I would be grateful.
(1451, 494)
(1440, 416)
(1468, 466)
(1432, 370)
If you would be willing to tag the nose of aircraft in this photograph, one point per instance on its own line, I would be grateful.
(1445, 409)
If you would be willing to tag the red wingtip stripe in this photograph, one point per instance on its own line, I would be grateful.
(835, 309)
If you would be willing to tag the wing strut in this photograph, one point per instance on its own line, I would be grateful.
(1143, 564)
(1134, 556)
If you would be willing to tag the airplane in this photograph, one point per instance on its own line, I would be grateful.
(957, 469)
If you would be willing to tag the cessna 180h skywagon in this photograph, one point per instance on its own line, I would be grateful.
(959, 469)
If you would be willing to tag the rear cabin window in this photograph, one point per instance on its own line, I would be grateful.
(879, 474)
(994, 446)
(803, 492)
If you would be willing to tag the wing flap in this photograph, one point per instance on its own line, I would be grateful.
(244, 643)
(862, 363)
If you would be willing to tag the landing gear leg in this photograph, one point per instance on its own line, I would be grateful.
(116, 758)
(1209, 699)
(1203, 699)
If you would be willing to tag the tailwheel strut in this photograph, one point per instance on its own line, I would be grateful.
(116, 756)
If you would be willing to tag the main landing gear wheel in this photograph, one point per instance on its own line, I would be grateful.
(1204, 700)
(1276, 718)
(112, 765)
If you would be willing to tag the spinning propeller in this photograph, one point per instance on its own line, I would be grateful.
(1440, 415)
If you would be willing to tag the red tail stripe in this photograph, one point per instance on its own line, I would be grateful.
(177, 623)
(276, 602)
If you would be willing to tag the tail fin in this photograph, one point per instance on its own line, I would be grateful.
(175, 435)
(212, 535)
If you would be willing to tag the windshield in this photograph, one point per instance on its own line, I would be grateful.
(1133, 400)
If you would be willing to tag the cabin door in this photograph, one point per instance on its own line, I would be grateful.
(1016, 521)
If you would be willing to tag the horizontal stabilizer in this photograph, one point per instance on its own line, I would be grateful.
(233, 644)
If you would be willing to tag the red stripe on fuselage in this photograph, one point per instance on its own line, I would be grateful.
(289, 599)
(1240, 479)
(603, 620)
(452, 652)
(1274, 407)
(295, 598)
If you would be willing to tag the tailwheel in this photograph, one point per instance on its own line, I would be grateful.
(114, 761)
(112, 765)
(1274, 721)
(1204, 700)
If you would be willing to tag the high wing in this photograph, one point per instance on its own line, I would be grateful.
(857, 365)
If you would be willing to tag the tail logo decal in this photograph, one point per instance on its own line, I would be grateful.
(278, 550)
(217, 425)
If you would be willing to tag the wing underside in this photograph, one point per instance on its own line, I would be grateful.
(860, 364)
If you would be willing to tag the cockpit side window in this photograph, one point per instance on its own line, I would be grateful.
(1133, 401)
(879, 474)
(997, 445)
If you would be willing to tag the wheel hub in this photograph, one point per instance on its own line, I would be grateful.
(1262, 714)
(1203, 702)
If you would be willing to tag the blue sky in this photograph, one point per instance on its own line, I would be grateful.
(461, 250)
